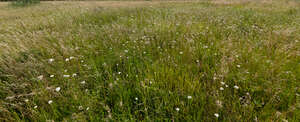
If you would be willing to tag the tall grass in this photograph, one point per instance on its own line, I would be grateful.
(169, 62)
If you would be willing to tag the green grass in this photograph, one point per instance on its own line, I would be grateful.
(142, 62)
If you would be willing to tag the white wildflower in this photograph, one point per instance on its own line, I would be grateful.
(67, 59)
(82, 82)
(216, 115)
(74, 75)
(80, 107)
(51, 60)
(180, 53)
(136, 98)
(177, 109)
(72, 57)
(66, 76)
(51, 76)
(87, 108)
(238, 66)
(35, 106)
(189, 97)
(26, 100)
(57, 89)
(223, 83)
(221, 88)
(236, 87)
(126, 51)
(50, 101)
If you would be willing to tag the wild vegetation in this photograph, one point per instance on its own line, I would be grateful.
(150, 61)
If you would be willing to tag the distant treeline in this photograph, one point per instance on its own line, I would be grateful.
(77, 0)
(39, 0)
(70, 0)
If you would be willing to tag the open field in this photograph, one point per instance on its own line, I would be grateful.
(221, 60)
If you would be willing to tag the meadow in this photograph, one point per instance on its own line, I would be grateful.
(220, 60)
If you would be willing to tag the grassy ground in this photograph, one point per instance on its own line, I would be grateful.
(102, 61)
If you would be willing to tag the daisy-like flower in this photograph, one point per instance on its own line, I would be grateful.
(226, 86)
(35, 106)
(87, 108)
(82, 82)
(51, 76)
(72, 57)
(136, 98)
(80, 107)
(216, 115)
(189, 97)
(74, 75)
(236, 87)
(51, 60)
(57, 89)
(66, 76)
(177, 109)
(221, 88)
(67, 59)
(223, 83)
(238, 66)
(26, 100)
(50, 101)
